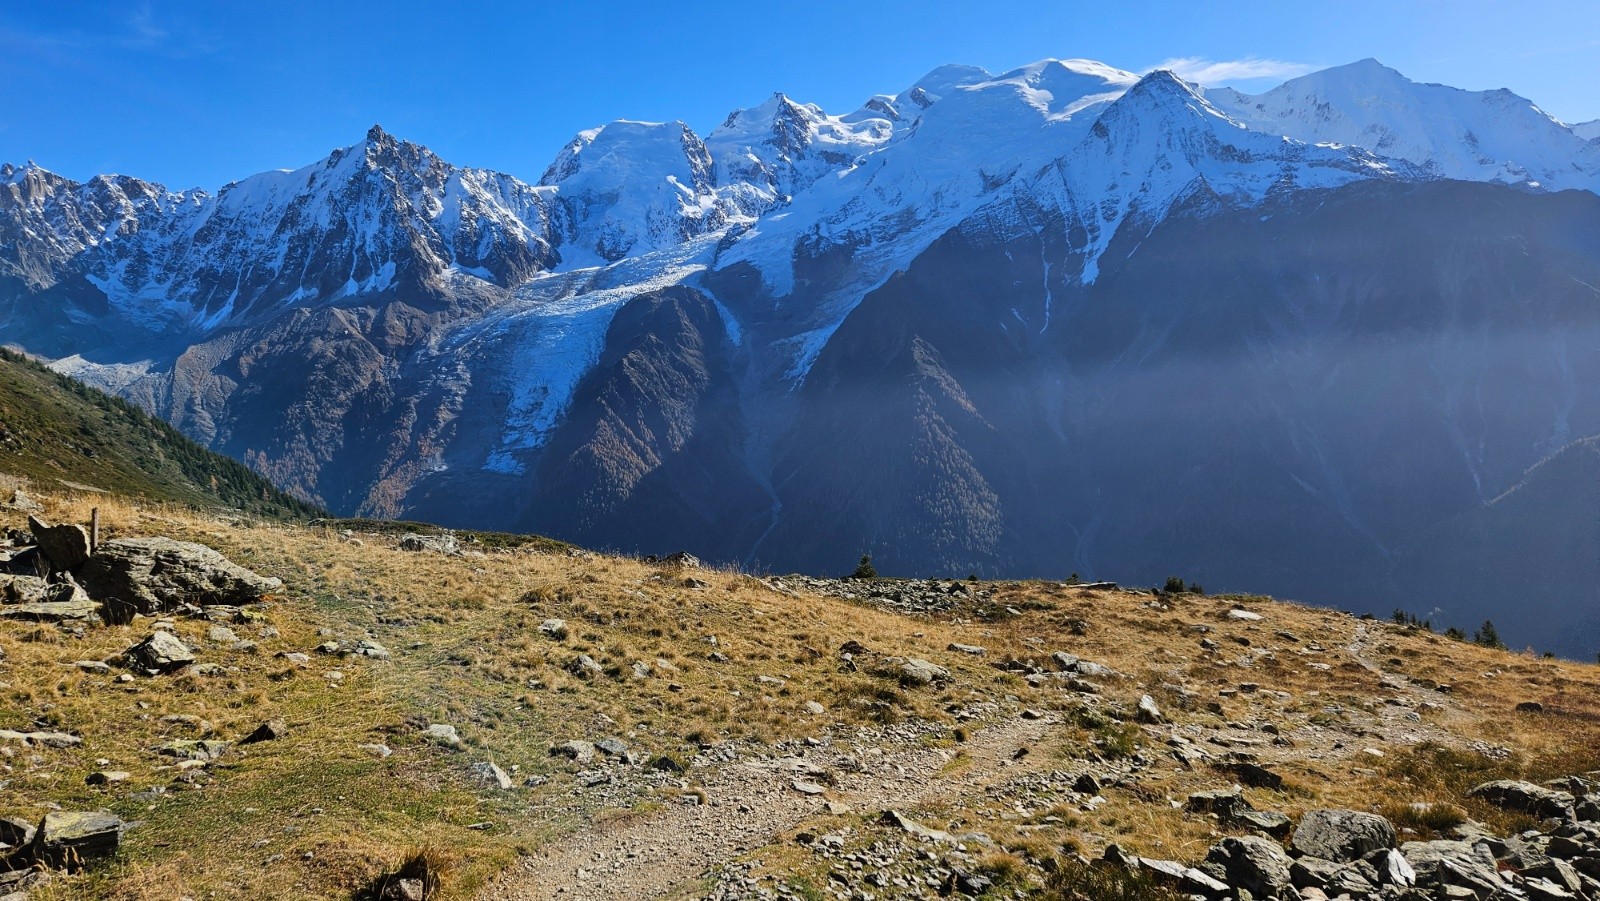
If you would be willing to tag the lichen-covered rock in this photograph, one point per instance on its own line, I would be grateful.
(157, 574)
(15, 833)
(439, 544)
(70, 838)
(1453, 863)
(34, 599)
(489, 774)
(1342, 835)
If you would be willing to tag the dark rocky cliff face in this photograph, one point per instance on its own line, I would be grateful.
(1287, 400)
(651, 453)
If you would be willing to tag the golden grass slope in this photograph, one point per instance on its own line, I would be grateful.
(315, 815)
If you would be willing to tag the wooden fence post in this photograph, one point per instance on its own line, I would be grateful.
(94, 530)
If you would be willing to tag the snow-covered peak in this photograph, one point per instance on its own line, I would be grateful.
(772, 151)
(908, 104)
(11, 175)
(1060, 88)
(377, 215)
(1589, 131)
(631, 187)
(1451, 133)
(624, 150)
(1162, 142)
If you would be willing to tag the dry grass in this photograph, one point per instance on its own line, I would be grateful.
(315, 816)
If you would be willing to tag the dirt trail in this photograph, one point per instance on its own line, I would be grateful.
(750, 804)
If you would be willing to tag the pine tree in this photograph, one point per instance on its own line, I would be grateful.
(865, 569)
(1488, 636)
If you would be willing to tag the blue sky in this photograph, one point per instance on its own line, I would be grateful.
(198, 94)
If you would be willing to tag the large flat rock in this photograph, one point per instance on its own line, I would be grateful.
(157, 574)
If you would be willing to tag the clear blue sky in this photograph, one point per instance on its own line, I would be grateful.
(198, 94)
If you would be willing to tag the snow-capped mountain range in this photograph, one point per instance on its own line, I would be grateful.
(645, 346)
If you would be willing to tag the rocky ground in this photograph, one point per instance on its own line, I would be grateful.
(208, 707)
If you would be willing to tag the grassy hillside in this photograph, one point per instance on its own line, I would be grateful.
(56, 431)
(741, 698)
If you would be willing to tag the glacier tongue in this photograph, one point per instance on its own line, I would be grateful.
(538, 345)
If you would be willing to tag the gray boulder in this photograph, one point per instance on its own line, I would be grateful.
(271, 730)
(15, 589)
(21, 501)
(489, 774)
(63, 547)
(157, 574)
(1334, 879)
(1271, 822)
(1342, 835)
(162, 652)
(576, 749)
(439, 544)
(443, 734)
(194, 749)
(1254, 864)
(1064, 662)
(41, 739)
(585, 667)
(1148, 713)
(916, 671)
(1185, 879)
(33, 598)
(68, 604)
(1453, 863)
(72, 838)
(1226, 803)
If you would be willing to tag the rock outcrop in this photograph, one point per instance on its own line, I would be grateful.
(160, 574)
